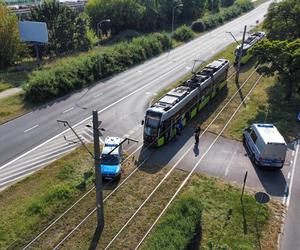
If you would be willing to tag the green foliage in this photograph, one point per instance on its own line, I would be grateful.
(124, 14)
(284, 57)
(198, 26)
(191, 10)
(213, 5)
(77, 72)
(178, 227)
(283, 20)
(227, 3)
(68, 30)
(9, 37)
(60, 192)
(183, 33)
(36, 208)
(66, 172)
(211, 21)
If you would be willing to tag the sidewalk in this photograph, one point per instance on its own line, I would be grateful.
(10, 92)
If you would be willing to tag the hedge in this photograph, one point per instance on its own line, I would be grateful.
(211, 21)
(80, 71)
(183, 33)
(178, 226)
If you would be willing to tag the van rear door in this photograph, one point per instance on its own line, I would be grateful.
(274, 154)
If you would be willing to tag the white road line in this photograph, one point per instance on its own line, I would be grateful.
(286, 188)
(102, 110)
(23, 176)
(27, 130)
(293, 153)
(67, 110)
(293, 172)
(100, 94)
(289, 175)
(229, 163)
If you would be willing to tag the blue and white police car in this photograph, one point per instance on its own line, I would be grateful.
(111, 158)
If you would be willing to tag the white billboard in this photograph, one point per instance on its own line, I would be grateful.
(33, 32)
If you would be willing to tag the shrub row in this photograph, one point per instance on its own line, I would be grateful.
(80, 71)
(212, 21)
(183, 33)
(177, 228)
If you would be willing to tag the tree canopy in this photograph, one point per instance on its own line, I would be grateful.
(284, 59)
(68, 30)
(283, 20)
(9, 36)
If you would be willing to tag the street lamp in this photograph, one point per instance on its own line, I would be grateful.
(99, 28)
(176, 6)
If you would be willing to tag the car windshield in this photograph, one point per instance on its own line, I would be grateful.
(109, 160)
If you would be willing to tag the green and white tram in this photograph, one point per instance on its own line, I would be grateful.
(183, 102)
(248, 43)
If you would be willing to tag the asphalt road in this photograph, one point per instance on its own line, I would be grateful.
(122, 99)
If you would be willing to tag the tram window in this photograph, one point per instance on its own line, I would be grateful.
(152, 119)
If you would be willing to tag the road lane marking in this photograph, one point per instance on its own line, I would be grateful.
(27, 130)
(229, 163)
(100, 94)
(67, 110)
(293, 153)
(293, 172)
(289, 175)
(100, 111)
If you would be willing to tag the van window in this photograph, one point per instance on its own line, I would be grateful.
(253, 136)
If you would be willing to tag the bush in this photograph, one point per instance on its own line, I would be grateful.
(183, 33)
(211, 21)
(198, 26)
(77, 72)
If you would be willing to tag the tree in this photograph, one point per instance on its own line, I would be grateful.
(284, 59)
(68, 30)
(213, 5)
(124, 14)
(227, 3)
(192, 9)
(283, 20)
(9, 37)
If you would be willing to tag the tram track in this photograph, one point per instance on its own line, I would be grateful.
(230, 100)
(90, 194)
(149, 204)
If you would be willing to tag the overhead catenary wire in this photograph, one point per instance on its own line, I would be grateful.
(88, 192)
(175, 165)
(201, 134)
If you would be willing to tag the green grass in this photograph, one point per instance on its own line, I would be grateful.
(29, 205)
(12, 107)
(217, 227)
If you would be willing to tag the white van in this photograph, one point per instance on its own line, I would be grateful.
(266, 145)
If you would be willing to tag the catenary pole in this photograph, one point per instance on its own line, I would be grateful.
(239, 56)
(98, 174)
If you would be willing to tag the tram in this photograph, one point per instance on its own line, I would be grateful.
(183, 102)
(248, 43)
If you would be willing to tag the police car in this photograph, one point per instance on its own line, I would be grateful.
(111, 158)
(266, 145)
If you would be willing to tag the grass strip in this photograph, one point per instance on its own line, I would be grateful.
(209, 200)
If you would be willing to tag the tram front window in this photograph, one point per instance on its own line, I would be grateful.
(152, 124)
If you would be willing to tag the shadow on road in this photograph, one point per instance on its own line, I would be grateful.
(268, 177)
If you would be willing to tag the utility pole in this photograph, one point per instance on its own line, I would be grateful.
(98, 174)
(239, 56)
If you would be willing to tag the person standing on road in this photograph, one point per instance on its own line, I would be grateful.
(197, 134)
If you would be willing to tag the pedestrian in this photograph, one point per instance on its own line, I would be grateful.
(197, 134)
(179, 127)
